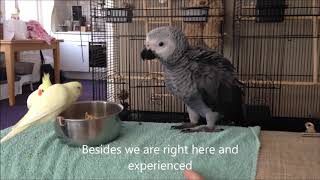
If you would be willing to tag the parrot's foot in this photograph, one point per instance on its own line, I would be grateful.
(185, 125)
(201, 129)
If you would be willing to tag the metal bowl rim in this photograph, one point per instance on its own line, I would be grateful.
(99, 118)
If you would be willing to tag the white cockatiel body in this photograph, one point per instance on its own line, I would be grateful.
(49, 105)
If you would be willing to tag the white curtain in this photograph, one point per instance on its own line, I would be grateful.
(39, 10)
(28, 10)
(9, 7)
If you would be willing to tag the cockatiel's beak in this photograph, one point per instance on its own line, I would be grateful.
(147, 54)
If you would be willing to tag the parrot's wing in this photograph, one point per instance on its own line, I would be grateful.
(51, 101)
(214, 76)
(210, 57)
(208, 86)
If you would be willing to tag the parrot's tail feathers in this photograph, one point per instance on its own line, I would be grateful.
(6, 137)
(12, 133)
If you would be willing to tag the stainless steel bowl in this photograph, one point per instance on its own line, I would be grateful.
(72, 127)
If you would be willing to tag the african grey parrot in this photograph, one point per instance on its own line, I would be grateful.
(201, 77)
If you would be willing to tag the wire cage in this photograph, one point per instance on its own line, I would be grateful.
(277, 53)
(119, 29)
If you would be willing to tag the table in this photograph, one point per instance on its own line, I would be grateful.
(11, 47)
(288, 155)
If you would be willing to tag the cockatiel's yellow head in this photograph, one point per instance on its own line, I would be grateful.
(75, 90)
(46, 83)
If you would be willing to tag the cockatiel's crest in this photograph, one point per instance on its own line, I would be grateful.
(34, 96)
(46, 83)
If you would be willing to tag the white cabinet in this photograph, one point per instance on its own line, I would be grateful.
(74, 53)
(74, 56)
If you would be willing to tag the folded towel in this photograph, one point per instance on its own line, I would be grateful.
(38, 153)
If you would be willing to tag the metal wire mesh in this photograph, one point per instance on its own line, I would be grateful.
(120, 27)
(277, 45)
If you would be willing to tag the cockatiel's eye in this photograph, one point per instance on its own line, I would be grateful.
(161, 44)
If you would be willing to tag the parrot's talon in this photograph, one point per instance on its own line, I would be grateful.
(176, 127)
(185, 130)
(184, 126)
(201, 129)
(214, 130)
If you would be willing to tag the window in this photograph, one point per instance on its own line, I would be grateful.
(28, 10)
(39, 10)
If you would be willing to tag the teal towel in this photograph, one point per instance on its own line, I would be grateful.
(38, 154)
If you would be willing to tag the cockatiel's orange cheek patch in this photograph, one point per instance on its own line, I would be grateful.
(40, 92)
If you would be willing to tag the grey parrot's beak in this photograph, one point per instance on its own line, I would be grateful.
(147, 54)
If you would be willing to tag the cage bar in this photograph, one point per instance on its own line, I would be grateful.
(126, 78)
(275, 50)
(276, 53)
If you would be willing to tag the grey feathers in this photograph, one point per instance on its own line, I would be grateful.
(200, 76)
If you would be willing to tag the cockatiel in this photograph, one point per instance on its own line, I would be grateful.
(54, 100)
(201, 77)
(33, 97)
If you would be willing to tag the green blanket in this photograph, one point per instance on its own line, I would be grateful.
(160, 153)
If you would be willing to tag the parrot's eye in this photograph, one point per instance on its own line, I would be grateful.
(161, 44)
(42, 90)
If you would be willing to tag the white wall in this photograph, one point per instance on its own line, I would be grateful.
(2, 7)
